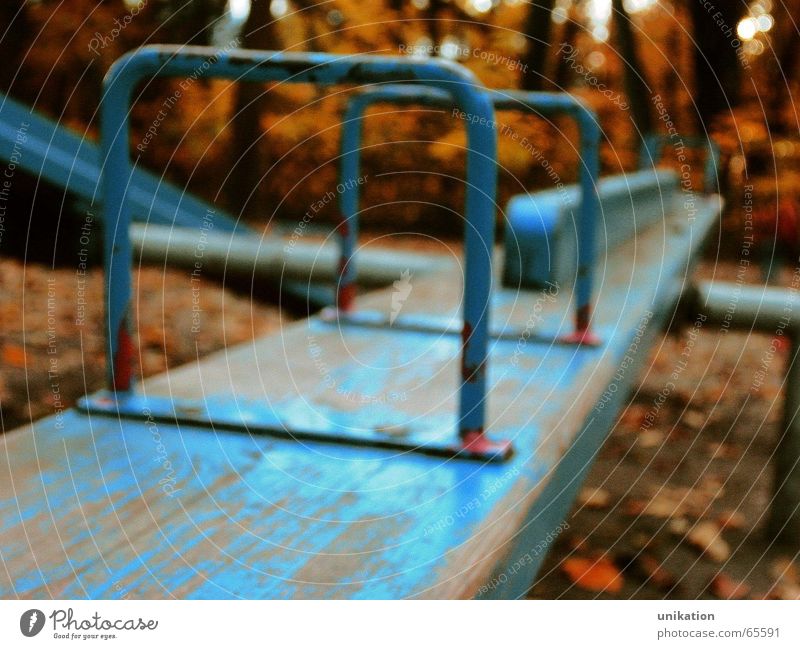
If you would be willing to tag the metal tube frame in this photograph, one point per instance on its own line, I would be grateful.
(321, 69)
(653, 147)
(538, 103)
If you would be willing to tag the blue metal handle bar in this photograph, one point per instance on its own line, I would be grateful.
(322, 69)
(541, 103)
(653, 148)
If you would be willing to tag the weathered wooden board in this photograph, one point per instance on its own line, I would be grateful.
(91, 509)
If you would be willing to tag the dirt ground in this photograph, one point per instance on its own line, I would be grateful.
(673, 509)
(51, 331)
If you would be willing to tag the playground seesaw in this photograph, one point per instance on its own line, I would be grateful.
(363, 452)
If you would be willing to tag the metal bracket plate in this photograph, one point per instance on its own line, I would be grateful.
(258, 418)
(439, 325)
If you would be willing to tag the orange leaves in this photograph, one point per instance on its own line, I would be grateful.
(725, 587)
(652, 570)
(732, 520)
(675, 502)
(162, 324)
(594, 498)
(706, 537)
(596, 575)
(14, 355)
(786, 584)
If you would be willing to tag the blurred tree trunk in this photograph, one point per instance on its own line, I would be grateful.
(396, 23)
(568, 36)
(634, 78)
(246, 165)
(717, 69)
(187, 22)
(783, 67)
(781, 77)
(311, 37)
(432, 15)
(14, 43)
(441, 15)
(672, 75)
(538, 28)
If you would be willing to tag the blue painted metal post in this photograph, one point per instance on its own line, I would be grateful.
(117, 249)
(542, 103)
(323, 69)
(590, 211)
(349, 165)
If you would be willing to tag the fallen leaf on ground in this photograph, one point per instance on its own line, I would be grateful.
(713, 393)
(650, 439)
(594, 498)
(596, 575)
(664, 505)
(694, 419)
(679, 526)
(635, 507)
(633, 417)
(706, 536)
(784, 571)
(676, 502)
(784, 590)
(711, 486)
(731, 520)
(14, 355)
(721, 450)
(651, 569)
(784, 568)
(725, 587)
(640, 540)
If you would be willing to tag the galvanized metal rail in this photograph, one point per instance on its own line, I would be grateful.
(272, 259)
(321, 69)
(535, 103)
